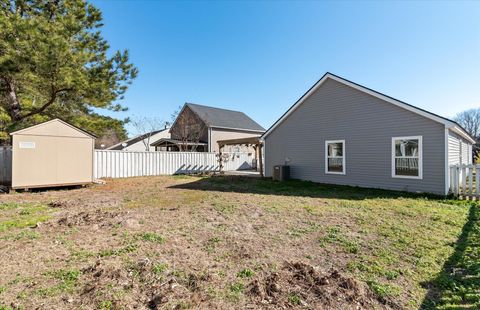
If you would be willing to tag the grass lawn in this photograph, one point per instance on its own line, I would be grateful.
(230, 242)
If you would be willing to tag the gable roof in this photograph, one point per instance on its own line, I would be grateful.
(450, 124)
(223, 118)
(134, 140)
(91, 135)
(176, 141)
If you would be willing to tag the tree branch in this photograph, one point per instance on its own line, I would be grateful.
(47, 104)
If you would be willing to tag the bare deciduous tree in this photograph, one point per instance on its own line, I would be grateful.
(147, 127)
(188, 128)
(109, 138)
(470, 121)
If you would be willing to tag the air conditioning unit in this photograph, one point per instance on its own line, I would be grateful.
(281, 172)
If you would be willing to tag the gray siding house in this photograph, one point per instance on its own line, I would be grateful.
(340, 132)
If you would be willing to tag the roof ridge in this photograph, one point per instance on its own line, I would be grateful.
(207, 106)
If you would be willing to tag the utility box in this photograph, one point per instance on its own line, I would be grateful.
(281, 172)
(50, 154)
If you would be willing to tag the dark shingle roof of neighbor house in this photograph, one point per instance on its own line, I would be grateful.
(133, 140)
(217, 117)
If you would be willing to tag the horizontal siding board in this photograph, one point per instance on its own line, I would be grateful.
(367, 124)
(459, 150)
(453, 149)
(465, 154)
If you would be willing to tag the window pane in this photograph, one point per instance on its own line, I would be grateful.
(406, 166)
(406, 147)
(335, 164)
(335, 149)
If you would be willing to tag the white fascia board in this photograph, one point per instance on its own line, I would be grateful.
(461, 133)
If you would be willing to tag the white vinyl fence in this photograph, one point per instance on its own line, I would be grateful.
(122, 164)
(238, 161)
(465, 180)
(5, 165)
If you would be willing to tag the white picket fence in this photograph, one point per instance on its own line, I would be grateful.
(122, 164)
(465, 180)
(5, 165)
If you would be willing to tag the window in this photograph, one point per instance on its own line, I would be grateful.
(335, 157)
(407, 157)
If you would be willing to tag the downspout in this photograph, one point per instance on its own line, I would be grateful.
(210, 139)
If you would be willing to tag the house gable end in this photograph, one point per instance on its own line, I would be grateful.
(192, 118)
(328, 76)
(366, 124)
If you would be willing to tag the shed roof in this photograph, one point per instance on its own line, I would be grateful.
(223, 118)
(54, 127)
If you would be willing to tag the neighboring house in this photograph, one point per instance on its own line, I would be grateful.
(139, 143)
(340, 132)
(212, 125)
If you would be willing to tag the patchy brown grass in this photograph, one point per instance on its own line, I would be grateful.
(222, 242)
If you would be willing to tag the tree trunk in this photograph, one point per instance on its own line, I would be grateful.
(14, 108)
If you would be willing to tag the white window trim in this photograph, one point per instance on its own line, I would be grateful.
(420, 158)
(327, 142)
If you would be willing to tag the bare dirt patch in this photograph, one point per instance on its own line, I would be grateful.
(98, 217)
(301, 284)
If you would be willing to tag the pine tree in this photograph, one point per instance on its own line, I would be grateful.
(54, 62)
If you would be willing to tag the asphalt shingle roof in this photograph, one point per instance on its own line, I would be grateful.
(216, 117)
(134, 140)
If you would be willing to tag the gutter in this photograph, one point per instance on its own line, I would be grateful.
(461, 133)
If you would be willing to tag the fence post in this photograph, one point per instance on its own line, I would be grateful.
(477, 180)
(451, 180)
(464, 180)
(470, 179)
(457, 181)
